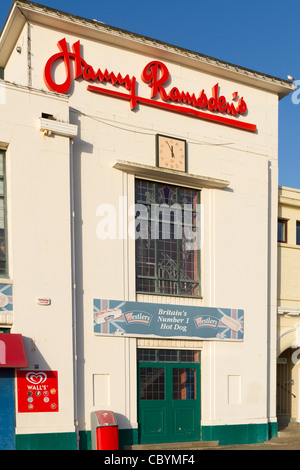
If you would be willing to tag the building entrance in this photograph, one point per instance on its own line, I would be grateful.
(286, 388)
(168, 395)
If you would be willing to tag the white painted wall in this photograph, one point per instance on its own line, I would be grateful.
(39, 245)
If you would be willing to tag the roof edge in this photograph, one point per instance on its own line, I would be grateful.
(26, 8)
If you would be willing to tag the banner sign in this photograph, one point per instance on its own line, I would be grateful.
(37, 391)
(121, 318)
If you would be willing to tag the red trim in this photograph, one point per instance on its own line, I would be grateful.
(177, 109)
(12, 353)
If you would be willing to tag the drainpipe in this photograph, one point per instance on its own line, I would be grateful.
(29, 73)
(73, 280)
(49, 127)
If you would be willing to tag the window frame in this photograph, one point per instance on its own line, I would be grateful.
(156, 278)
(170, 356)
(4, 198)
(297, 232)
(284, 221)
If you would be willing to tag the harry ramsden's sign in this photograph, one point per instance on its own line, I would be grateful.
(156, 75)
(124, 318)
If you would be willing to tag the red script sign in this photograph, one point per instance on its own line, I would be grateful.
(156, 75)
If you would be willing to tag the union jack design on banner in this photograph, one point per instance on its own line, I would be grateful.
(6, 298)
(108, 319)
(234, 333)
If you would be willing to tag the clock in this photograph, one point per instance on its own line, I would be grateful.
(171, 153)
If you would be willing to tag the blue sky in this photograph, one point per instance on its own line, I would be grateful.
(262, 35)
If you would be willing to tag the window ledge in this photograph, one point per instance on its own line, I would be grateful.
(6, 319)
(179, 296)
(170, 176)
(5, 280)
(288, 245)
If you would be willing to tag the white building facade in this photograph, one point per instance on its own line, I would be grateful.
(172, 326)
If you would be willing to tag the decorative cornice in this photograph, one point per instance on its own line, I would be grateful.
(288, 311)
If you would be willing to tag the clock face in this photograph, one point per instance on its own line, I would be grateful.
(171, 153)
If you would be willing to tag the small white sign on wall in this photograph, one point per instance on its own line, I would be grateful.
(43, 301)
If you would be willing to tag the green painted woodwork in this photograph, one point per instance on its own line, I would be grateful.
(226, 435)
(168, 419)
(240, 433)
(51, 441)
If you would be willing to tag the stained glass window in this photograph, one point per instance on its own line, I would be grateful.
(167, 239)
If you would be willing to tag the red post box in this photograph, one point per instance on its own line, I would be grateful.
(104, 428)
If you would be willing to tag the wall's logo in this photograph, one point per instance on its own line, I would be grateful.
(36, 378)
(206, 320)
(138, 317)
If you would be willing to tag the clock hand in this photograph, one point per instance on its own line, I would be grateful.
(171, 148)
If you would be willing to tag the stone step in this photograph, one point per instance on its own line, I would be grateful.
(194, 445)
(290, 431)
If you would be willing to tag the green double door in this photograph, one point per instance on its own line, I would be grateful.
(169, 402)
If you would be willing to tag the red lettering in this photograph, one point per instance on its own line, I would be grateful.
(155, 74)
(89, 73)
(64, 55)
(79, 62)
(231, 109)
(213, 101)
(174, 94)
(189, 99)
(202, 100)
(242, 107)
(81, 68)
(222, 103)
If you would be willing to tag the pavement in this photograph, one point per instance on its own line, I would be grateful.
(288, 439)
